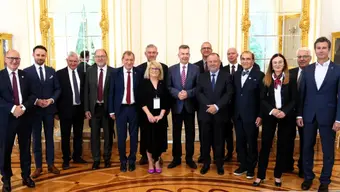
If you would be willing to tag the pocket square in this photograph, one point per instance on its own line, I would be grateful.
(22, 77)
(51, 77)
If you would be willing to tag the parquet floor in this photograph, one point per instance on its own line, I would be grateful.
(179, 179)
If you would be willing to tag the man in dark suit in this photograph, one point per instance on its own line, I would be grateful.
(96, 98)
(123, 108)
(16, 102)
(70, 107)
(182, 81)
(303, 58)
(319, 108)
(247, 114)
(84, 60)
(151, 55)
(47, 90)
(214, 91)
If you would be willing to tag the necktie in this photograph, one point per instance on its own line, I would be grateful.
(75, 88)
(15, 89)
(41, 75)
(205, 66)
(100, 86)
(245, 73)
(232, 70)
(213, 81)
(183, 76)
(299, 81)
(128, 89)
(277, 80)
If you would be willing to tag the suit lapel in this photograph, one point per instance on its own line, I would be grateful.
(8, 81)
(313, 76)
(134, 78)
(237, 79)
(328, 74)
(249, 78)
(188, 76)
(218, 79)
(107, 77)
(67, 78)
(178, 72)
(21, 83)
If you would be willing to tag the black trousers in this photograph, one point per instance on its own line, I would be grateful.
(189, 124)
(66, 124)
(229, 136)
(285, 128)
(21, 127)
(100, 119)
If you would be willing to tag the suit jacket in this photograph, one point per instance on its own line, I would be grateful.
(247, 98)
(288, 98)
(175, 86)
(117, 89)
(65, 101)
(220, 96)
(50, 88)
(323, 104)
(81, 67)
(90, 88)
(200, 64)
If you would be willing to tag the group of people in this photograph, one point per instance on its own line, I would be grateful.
(236, 96)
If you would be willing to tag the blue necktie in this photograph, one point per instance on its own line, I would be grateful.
(41, 75)
(75, 87)
(213, 82)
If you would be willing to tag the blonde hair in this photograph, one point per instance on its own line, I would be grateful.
(157, 65)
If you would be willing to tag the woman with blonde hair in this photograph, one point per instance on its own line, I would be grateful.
(277, 106)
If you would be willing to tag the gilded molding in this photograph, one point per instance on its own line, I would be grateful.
(104, 25)
(281, 20)
(52, 44)
(44, 25)
(8, 37)
(245, 25)
(305, 23)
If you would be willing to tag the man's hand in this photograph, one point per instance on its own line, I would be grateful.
(47, 102)
(336, 126)
(299, 122)
(275, 112)
(211, 109)
(88, 115)
(40, 103)
(258, 122)
(56, 117)
(184, 94)
(281, 115)
(18, 111)
(113, 117)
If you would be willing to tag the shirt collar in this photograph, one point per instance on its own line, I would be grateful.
(325, 64)
(104, 68)
(248, 69)
(10, 71)
(283, 74)
(125, 70)
(186, 65)
(70, 70)
(216, 73)
(37, 66)
(236, 64)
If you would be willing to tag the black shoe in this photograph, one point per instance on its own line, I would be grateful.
(28, 182)
(143, 160)
(220, 170)
(192, 164)
(79, 161)
(257, 184)
(240, 171)
(200, 159)
(132, 167)
(323, 188)
(107, 164)
(174, 164)
(250, 175)
(66, 165)
(301, 174)
(306, 184)
(6, 186)
(228, 157)
(95, 165)
(204, 169)
(123, 167)
(278, 184)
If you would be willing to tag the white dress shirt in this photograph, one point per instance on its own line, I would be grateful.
(216, 75)
(245, 77)
(38, 70)
(181, 68)
(277, 94)
(231, 67)
(125, 71)
(19, 88)
(104, 77)
(320, 73)
(71, 81)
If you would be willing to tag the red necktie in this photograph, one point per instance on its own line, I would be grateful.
(183, 76)
(100, 86)
(128, 89)
(277, 80)
(15, 89)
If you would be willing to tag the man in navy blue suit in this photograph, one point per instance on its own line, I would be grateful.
(319, 108)
(47, 91)
(16, 102)
(182, 81)
(123, 108)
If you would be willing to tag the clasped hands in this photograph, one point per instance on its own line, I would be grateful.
(43, 103)
(18, 111)
(182, 95)
(154, 119)
(211, 109)
(278, 113)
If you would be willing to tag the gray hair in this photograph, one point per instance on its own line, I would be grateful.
(304, 49)
(150, 46)
(72, 53)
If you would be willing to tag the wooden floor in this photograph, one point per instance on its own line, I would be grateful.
(179, 179)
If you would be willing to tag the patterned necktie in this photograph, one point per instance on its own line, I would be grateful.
(277, 80)
(245, 73)
(128, 88)
(15, 89)
(183, 77)
(299, 81)
(41, 75)
(75, 88)
(100, 86)
(213, 81)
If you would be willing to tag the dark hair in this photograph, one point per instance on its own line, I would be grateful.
(268, 76)
(321, 40)
(84, 54)
(39, 47)
(248, 52)
(183, 47)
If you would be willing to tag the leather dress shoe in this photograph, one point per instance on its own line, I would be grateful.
(278, 184)
(204, 169)
(301, 174)
(228, 157)
(28, 182)
(200, 159)
(53, 169)
(107, 164)
(323, 187)
(79, 161)
(174, 164)
(257, 184)
(220, 170)
(6, 186)
(192, 164)
(306, 184)
(132, 167)
(36, 173)
(123, 167)
(143, 160)
(95, 165)
(66, 165)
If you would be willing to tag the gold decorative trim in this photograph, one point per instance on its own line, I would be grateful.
(44, 25)
(4, 36)
(245, 25)
(305, 23)
(104, 25)
(281, 20)
(52, 44)
(335, 35)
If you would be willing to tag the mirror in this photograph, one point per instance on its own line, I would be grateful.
(5, 45)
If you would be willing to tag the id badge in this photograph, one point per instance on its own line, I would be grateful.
(156, 103)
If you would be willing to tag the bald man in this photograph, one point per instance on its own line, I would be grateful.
(16, 102)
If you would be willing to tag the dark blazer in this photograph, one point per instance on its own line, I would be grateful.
(220, 96)
(288, 93)
(323, 104)
(50, 88)
(200, 64)
(90, 88)
(175, 86)
(117, 88)
(247, 98)
(81, 67)
(65, 101)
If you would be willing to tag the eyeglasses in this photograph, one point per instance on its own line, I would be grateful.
(14, 58)
(303, 56)
(100, 56)
(155, 69)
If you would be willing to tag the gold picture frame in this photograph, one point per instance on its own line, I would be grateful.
(5, 45)
(336, 47)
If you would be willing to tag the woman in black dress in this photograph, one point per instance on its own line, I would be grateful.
(153, 99)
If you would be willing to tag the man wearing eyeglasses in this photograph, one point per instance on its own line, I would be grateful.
(16, 103)
(304, 57)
